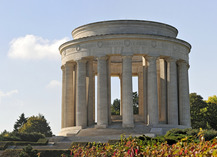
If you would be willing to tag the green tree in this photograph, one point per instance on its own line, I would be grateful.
(212, 99)
(20, 122)
(135, 103)
(212, 111)
(198, 111)
(212, 115)
(115, 107)
(36, 124)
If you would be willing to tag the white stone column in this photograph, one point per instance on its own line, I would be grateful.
(127, 120)
(163, 92)
(121, 95)
(140, 94)
(94, 103)
(145, 87)
(74, 90)
(152, 91)
(172, 91)
(63, 97)
(69, 107)
(158, 89)
(81, 107)
(102, 93)
(184, 102)
(109, 89)
(90, 87)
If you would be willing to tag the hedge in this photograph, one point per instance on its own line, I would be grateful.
(5, 144)
(43, 153)
(16, 136)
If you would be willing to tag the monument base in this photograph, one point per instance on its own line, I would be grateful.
(100, 126)
(70, 131)
(116, 128)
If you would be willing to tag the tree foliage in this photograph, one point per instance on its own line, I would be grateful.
(212, 115)
(115, 107)
(36, 124)
(28, 152)
(203, 113)
(135, 103)
(212, 111)
(212, 99)
(20, 122)
(198, 111)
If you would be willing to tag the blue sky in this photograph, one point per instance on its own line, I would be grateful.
(31, 31)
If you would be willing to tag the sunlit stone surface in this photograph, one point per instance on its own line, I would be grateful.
(125, 48)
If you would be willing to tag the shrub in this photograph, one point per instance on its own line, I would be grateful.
(176, 131)
(42, 141)
(33, 137)
(16, 136)
(178, 134)
(210, 134)
(3, 146)
(53, 153)
(192, 132)
(28, 152)
(11, 153)
(79, 144)
(135, 147)
(114, 141)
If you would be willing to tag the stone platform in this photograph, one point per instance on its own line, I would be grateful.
(114, 131)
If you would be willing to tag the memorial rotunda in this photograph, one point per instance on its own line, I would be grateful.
(125, 48)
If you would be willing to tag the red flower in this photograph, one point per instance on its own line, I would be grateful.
(136, 151)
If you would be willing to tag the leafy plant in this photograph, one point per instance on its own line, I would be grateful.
(28, 152)
(146, 146)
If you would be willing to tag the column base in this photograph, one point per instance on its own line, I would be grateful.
(128, 125)
(70, 131)
(161, 129)
(100, 126)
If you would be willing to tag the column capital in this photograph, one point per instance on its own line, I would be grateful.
(183, 63)
(88, 58)
(151, 58)
(170, 59)
(127, 56)
(102, 57)
(69, 64)
(63, 67)
(120, 76)
(81, 61)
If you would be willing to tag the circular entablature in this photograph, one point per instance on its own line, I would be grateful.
(124, 27)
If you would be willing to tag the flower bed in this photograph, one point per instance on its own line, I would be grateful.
(139, 147)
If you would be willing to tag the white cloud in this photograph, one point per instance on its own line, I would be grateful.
(34, 47)
(54, 84)
(4, 95)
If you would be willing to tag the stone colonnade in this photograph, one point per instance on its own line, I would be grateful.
(163, 92)
(125, 48)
